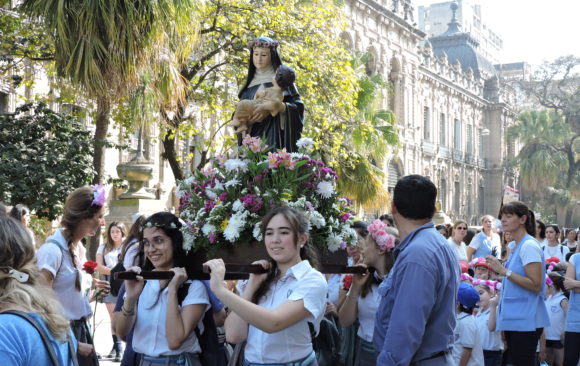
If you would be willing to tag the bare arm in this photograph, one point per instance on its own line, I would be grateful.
(465, 355)
(532, 280)
(46, 278)
(349, 309)
(125, 320)
(101, 268)
(571, 283)
(491, 322)
(180, 323)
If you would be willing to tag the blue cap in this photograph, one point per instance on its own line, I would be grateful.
(467, 295)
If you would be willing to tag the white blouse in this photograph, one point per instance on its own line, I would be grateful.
(150, 337)
(50, 257)
(366, 313)
(301, 282)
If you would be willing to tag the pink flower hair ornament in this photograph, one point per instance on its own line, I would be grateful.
(549, 281)
(493, 285)
(466, 277)
(378, 231)
(98, 195)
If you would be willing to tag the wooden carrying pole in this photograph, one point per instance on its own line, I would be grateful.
(233, 272)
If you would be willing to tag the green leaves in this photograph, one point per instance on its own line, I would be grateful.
(44, 156)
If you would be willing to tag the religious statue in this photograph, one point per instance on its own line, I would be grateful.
(280, 123)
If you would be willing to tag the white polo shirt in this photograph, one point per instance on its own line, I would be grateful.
(467, 336)
(50, 257)
(490, 341)
(150, 337)
(301, 282)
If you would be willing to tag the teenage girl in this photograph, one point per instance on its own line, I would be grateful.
(107, 256)
(274, 310)
(62, 255)
(164, 313)
(363, 298)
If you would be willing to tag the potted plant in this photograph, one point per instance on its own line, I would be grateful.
(119, 186)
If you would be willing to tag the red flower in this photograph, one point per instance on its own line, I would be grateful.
(346, 282)
(90, 267)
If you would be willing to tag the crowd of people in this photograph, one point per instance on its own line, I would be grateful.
(424, 295)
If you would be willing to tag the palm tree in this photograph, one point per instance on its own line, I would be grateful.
(372, 135)
(103, 46)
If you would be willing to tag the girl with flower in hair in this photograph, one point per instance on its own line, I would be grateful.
(485, 318)
(274, 309)
(363, 298)
(481, 270)
(164, 314)
(61, 258)
(279, 122)
(557, 305)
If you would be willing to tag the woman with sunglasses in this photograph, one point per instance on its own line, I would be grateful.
(456, 240)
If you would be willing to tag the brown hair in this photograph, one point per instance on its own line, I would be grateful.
(456, 224)
(133, 237)
(109, 244)
(298, 225)
(389, 260)
(77, 207)
(17, 252)
(521, 210)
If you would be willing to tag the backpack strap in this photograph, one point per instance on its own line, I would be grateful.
(44, 337)
(52, 241)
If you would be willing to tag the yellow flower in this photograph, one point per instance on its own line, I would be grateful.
(286, 195)
(224, 224)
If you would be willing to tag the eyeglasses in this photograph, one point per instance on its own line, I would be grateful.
(461, 228)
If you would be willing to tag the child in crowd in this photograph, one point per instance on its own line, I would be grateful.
(481, 269)
(467, 350)
(363, 298)
(485, 319)
(557, 305)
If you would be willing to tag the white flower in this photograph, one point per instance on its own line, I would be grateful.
(297, 156)
(256, 232)
(210, 194)
(208, 229)
(178, 192)
(237, 206)
(236, 164)
(235, 226)
(232, 182)
(325, 189)
(189, 181)
(218, 185)
(305, 143)
(333, 242)
(316, 219)
(188, 239)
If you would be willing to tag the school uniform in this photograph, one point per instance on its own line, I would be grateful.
(558, 251)
(467, 336)
(110, 260)
(490, 340)
(367, 307)
(53, 256)
(293, 344)
(572, 329)
(557, 316)
(150, 336)
(522, 313)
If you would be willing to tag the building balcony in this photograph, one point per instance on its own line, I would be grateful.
(428, 148)
(458, 155)
(444, 152)
(470, 159)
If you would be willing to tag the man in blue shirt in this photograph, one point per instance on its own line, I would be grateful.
(416, 315)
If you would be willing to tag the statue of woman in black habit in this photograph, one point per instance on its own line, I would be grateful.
(284, 128)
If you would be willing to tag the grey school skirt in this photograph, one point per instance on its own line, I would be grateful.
(184, 359)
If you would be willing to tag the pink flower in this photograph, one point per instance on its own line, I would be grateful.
(98, 195)
(212, 238)
(384, 240)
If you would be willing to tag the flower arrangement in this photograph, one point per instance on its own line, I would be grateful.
(225, 201)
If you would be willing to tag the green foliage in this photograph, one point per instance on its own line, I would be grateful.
(369, 137)
(41, 227)
(45, 156)
(308, 32)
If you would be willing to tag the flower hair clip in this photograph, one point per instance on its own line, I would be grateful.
(263, 44)
(549, 281)
(98, 195)
(377, 230)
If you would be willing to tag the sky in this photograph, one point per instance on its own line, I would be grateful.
(532, 30)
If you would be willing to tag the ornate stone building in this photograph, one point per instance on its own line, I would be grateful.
(451, 109)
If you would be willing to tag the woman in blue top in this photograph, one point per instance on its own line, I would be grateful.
(485, 242)
(522, 311)
(572, 330)
(20, 343)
